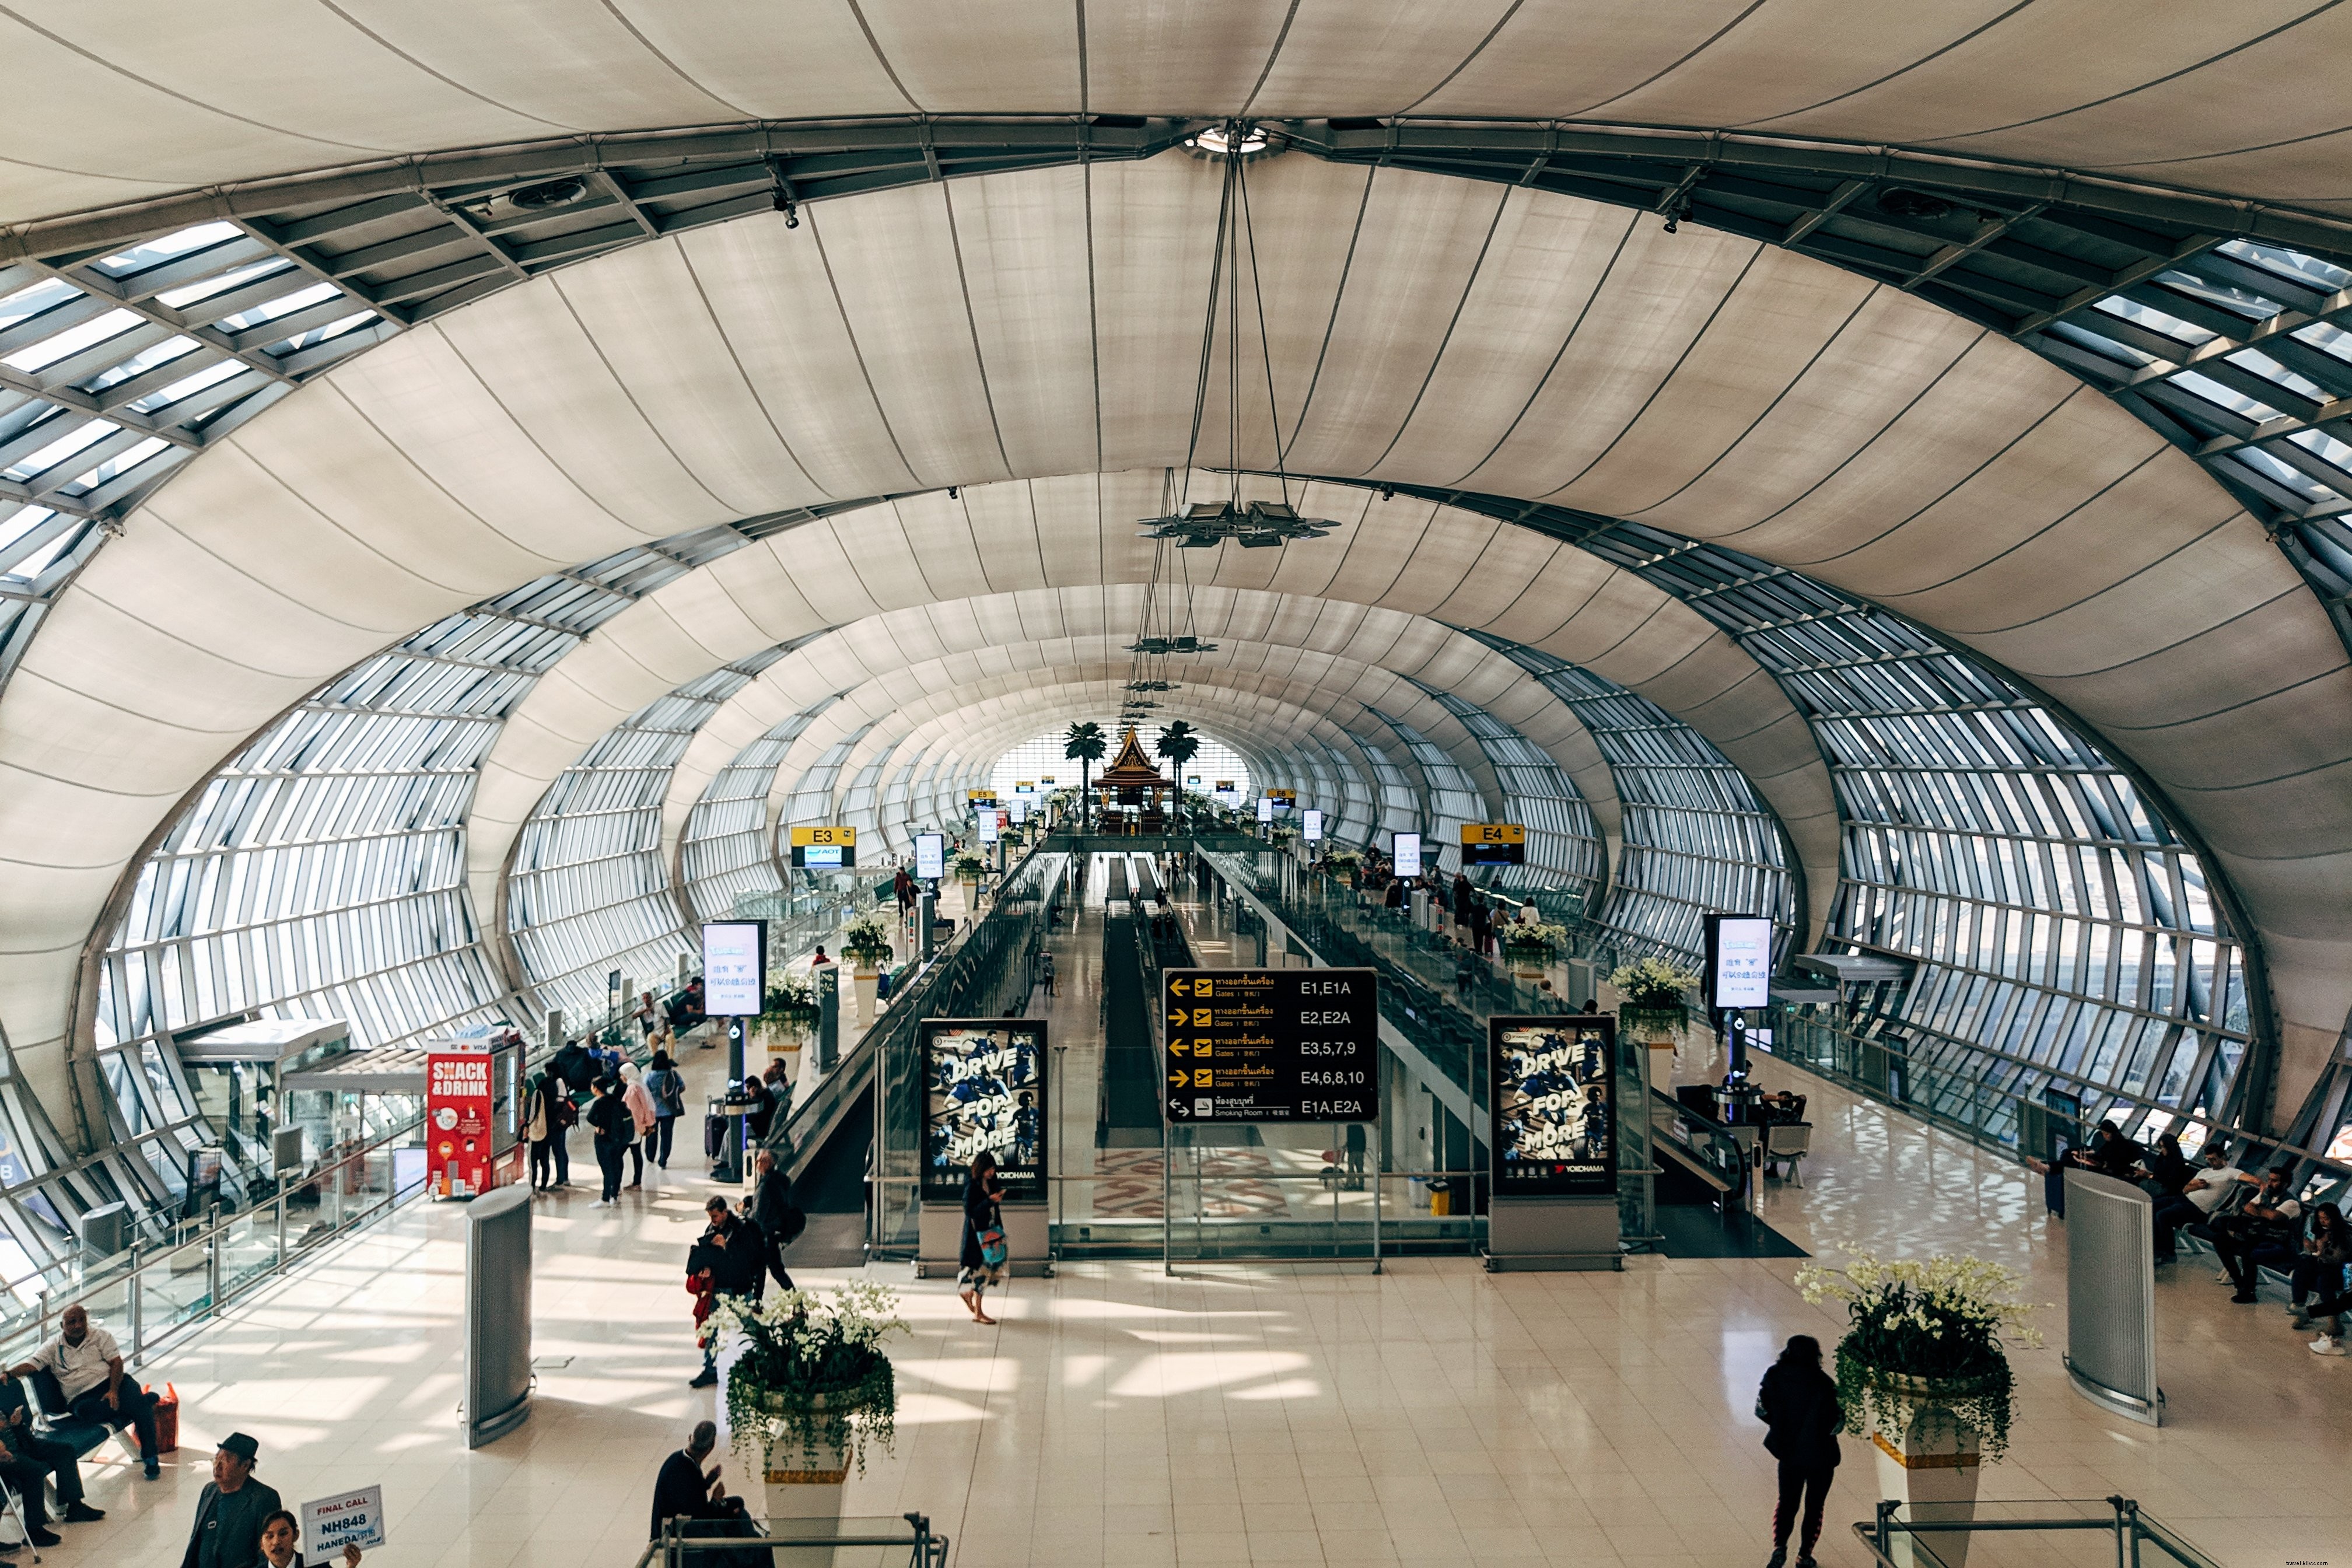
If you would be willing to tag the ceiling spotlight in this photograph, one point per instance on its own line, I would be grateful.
(1257, 525)
(1901, 203)
(951, 492)
(785, 201)
(1387, 492)
(1227, 140)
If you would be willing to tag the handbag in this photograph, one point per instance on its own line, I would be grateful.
(992, 1247)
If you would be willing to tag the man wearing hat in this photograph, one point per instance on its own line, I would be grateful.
(230, 1514)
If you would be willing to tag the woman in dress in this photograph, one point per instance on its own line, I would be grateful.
(975, 1274)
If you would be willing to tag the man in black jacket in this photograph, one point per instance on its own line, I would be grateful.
(616, 1129)
(685, 1490)
(774, 1212)
(734, 1253)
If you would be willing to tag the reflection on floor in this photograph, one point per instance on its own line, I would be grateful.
(1244, 1412)
(1691, 1231)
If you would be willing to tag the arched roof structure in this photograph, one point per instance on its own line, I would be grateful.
(2041, 426)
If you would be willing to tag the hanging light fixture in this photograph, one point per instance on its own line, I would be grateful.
(1249, 524)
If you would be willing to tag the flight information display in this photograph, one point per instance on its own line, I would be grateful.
(1272, 1045)
(984, 1089)
(1555, 1122)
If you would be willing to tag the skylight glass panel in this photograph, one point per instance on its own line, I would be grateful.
(2104, 346)
(140, 257)
(122, 462)
(2228, 397)
(15, 526)
(188, 385)
(25, 303)
(283, 305)
(2294, 264)
(2322, 445)
(222, 282)
(2154, 321)
(90, 432)
(41, 560)
(317, 335)
(2327, 339)
(2286, 474)
(2269, 369)
(2240, 302)
(72, 340)
(141, 363)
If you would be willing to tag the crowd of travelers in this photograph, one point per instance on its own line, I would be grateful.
(2252, 1222)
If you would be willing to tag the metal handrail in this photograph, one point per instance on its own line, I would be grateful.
(2126, 1524)
(680, 1543)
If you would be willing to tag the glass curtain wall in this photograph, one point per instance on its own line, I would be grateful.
(1563, 842)
(1698, 838)
(1453, 798)
(723, 849)
(589, 892)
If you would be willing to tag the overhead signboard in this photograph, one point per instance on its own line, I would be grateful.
(1407, 852)
(981, 796)
(1310, 825)
(983, 1090)
(1225, 787)
(930, 856)
(734, 968)
(1026, 786)
(1046, 780)
(1494, 844)
(1555, 1114)
(1272, 1045)
(1264, 809)
(1738, 961)
(826, 848)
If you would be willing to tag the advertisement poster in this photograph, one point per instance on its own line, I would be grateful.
(1738, 961)
(734, 968)
(329, 1524)
(1555, 1115)
(985, 1087)
(930, 856)
(457, 1123)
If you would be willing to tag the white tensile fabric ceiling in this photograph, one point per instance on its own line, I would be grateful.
(112, 102)
(1046, 326)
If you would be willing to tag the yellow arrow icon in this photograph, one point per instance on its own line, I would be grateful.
(1181, 987)
(1176, 1018)
(1179, 1079)
(1177, 1048)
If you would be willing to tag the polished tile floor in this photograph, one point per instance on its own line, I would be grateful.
(1244, 1414)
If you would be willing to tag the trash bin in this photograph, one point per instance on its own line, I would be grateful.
(1441, 1196)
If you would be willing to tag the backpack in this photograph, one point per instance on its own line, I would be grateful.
(789, 1223)
(669, 1088)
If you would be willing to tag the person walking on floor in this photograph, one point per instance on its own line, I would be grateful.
(230, 1511)
(1799, 1406)
(984, 1232)
(728, 1259)
(667, 1085)
(615, 1130)
(780, 1220)
(643, 1118)
(538, 1125)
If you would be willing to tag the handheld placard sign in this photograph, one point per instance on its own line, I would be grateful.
(351, 1518)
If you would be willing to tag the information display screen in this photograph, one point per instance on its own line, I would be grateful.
(734, 968)
(819, 857)
(1310, 825)
(1408, 854)
(1272, 1045)
(1555, 1114)
(983, 1088)
(1738, 961)
(986, 817)
(1264, 808)
(1020, 811)
(930, 856)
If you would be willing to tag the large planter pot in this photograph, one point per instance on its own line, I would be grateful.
(803, 1487)
(1927, 1459)
(866, 977)
(1527, 963)
(783, 1038)
(1659, 1026)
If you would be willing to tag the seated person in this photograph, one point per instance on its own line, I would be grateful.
(2266, 1233)
(2320, 1269)
(685, 1491)
(2199, 1198)
(88, 1366)
(54, 1454)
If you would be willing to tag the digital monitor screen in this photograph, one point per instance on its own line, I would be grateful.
(819, 855)
(1264, 809)
(1310, 825)
(986, 817)
(1555, 1115)
(1020, 812)
(930, 856)
(983, 1088)
(1738, 961)
(734, 965)
(1408, 854)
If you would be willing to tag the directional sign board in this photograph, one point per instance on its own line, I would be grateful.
(1272, 1045)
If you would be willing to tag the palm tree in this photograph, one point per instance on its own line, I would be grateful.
(1180, 744)
(1086, 743)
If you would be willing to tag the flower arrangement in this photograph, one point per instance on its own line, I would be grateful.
(1652, 984)
(1532, 937)
(866, 940)
(1941, 1322)
(812, 1376)
(791, 999)
(968, 868)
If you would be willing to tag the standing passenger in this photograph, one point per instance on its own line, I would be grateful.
(1801, 1417)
